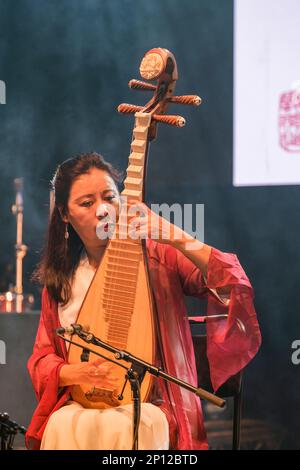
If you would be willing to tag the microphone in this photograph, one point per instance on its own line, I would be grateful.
(72, 329)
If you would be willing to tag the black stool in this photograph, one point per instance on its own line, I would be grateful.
(232, 388)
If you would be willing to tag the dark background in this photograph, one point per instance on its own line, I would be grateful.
(66, 65)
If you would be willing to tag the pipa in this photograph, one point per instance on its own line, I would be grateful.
(118, 306)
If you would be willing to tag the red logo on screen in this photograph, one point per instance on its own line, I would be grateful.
(289, 121)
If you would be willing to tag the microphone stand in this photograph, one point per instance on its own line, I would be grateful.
(135, 374)
(21, 249)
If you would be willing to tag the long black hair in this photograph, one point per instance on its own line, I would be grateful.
(61, 257)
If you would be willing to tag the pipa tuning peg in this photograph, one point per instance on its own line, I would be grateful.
(140, 85)
(177, 121)
(193, 100)
(129, 108)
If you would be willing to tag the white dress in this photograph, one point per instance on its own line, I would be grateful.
(73, 427)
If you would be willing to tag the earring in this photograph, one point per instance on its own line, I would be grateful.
(66, 232)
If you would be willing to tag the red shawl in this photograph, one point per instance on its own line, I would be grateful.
(229, 348)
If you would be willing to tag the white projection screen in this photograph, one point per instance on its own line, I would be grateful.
(266, 92)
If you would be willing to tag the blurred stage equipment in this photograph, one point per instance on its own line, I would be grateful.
(14, 300)
(8, 302)
(17, 210)
(8, 431)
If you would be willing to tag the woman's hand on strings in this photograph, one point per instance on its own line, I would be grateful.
(98, 373)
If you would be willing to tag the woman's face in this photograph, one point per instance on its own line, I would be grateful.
(92, 196)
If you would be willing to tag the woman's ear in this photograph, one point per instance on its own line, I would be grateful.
(63, 215)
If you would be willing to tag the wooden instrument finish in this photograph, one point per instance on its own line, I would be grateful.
(118, 306)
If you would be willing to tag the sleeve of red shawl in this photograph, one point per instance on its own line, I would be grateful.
(44, 366)
(234, 341)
